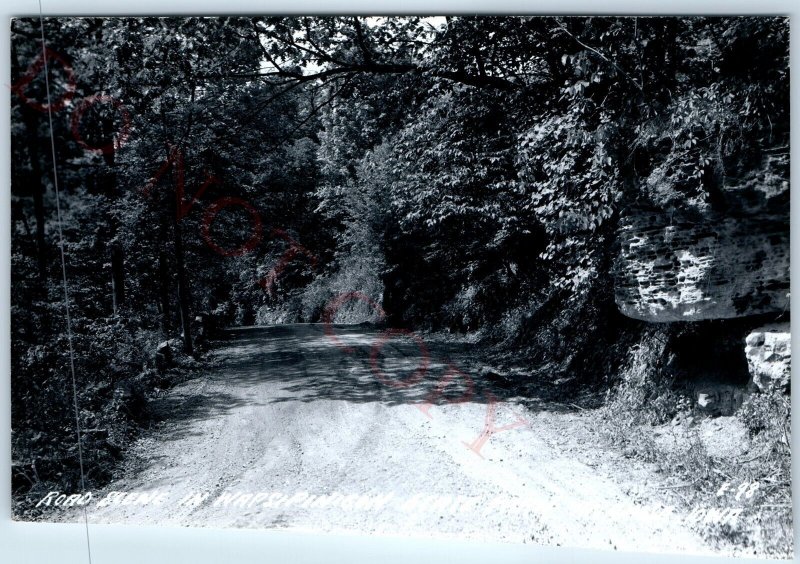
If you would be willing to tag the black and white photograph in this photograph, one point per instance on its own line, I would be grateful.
(514, 279)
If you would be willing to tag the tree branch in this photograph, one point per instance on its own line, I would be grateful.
(461, 77)
(602, 56)
(362, 45)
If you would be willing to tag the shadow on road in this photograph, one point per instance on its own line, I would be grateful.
(358, 364)
(304, 363)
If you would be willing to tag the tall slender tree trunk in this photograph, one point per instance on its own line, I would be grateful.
(184, 296)
(110, 188)
(38, 203)
(30, 119)
(163, 275)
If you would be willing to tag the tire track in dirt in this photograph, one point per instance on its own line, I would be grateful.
(285, 410)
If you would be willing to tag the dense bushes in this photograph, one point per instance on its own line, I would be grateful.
(466, 174)
(652, 415)
(114, 374)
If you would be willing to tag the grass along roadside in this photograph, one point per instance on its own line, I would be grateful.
(732, 474)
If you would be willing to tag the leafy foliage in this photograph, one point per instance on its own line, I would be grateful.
(464, 173)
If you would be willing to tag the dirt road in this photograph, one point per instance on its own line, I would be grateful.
(297, 429)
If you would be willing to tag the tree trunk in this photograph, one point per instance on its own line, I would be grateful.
(30, 119)
(38, 209)
(116, 252)
(184, 297)
(163, 275)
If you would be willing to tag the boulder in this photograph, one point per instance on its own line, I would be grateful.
(164, 357)
(718, 399)
(769, 356)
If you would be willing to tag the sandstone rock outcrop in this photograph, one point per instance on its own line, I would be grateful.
(769, 356)
(676, 270)
(720, 261)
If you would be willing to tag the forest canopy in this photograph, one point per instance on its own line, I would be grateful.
(464, 173)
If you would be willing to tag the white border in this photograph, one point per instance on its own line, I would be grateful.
(66, 544)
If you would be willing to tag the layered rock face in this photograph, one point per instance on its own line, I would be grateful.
(728, 258)
(725, 258)
(672, 269)
(769, 356)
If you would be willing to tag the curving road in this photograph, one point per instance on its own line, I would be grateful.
(296, 428)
